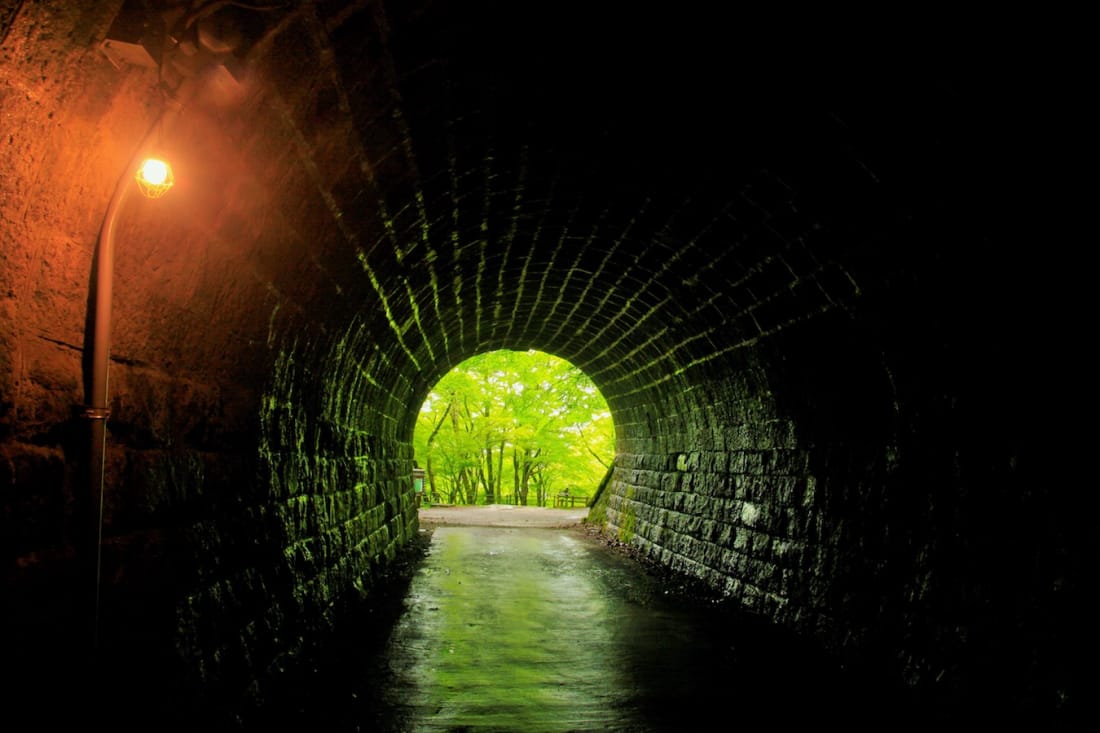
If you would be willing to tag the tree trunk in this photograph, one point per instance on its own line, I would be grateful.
(500, 468)
(528, 468)
(519, 489)
(490, 495)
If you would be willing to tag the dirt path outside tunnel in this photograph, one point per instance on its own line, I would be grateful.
(501, 515)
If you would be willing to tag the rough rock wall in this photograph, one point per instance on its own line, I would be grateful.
(243, 510)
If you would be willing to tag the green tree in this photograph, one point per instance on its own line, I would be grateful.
(525, 420)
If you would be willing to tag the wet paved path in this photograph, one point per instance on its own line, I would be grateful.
(528, 630)
(519, 629)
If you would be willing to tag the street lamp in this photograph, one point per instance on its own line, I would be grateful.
(203, 43)
(153, 177)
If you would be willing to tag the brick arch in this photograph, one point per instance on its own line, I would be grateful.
(430, 221)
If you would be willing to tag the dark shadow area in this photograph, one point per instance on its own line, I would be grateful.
(753, 672)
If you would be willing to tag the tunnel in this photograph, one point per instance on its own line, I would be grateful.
(784, 248)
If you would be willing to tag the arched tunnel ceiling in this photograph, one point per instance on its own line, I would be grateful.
(642, 194)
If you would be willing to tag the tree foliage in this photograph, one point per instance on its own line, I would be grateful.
(513, 427)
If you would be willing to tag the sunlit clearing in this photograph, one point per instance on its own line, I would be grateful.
(513, 427)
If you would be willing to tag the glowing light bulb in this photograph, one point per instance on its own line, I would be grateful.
(154, 177)
(154, 171)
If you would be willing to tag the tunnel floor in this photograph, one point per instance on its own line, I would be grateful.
(537, 629)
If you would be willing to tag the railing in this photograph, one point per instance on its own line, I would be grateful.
(565, 498)
(560, 500)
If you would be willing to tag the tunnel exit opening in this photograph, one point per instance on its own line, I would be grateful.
(513, 427)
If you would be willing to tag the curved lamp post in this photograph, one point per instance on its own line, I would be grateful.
(153, 177)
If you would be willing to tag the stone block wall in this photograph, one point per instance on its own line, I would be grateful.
(810, 491)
